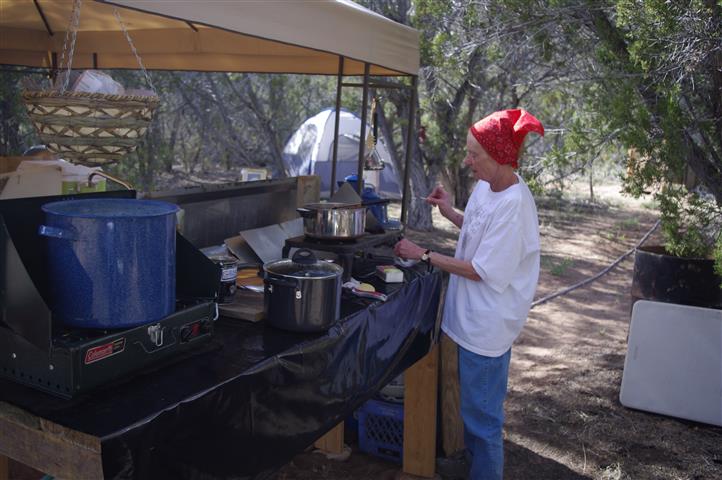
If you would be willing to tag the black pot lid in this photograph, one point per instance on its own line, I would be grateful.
(305, 266)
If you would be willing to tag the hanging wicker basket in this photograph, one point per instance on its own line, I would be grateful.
(89, 128)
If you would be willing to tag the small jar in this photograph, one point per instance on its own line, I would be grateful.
(229, 270)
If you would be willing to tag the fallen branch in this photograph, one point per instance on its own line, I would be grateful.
(591, 279)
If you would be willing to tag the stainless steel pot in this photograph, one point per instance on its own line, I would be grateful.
(333, 221)
(302, 294)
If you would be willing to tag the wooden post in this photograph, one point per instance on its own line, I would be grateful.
(332, 441)
(420, 392)
(4, 467)
(452, 427)
(47, 446)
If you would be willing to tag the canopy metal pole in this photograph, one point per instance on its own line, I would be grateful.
(339, 87)
(410, 132)
(362, 137)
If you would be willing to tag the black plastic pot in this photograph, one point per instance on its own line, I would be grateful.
(302, 294)
(666, 278)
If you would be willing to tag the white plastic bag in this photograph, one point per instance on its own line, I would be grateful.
(93, 81)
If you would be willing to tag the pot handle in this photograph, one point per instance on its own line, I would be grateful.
(56, 232)
(305, 212)
(304, 256)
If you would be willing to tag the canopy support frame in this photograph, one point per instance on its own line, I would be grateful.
(362, 135)
(337, 123)
(44, 18)
(411, 130)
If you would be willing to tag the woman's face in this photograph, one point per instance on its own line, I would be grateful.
(481, 164)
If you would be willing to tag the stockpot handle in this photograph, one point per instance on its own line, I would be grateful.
(57, 232)
(305, 212)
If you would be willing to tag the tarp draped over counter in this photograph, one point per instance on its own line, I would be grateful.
(301, 36)
(254, 397)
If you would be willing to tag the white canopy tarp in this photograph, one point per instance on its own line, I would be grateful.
(287, 36)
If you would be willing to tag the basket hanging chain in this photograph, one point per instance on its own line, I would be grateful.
(72, 32)
(132, 47)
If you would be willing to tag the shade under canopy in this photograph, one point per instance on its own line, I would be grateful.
(290, 36)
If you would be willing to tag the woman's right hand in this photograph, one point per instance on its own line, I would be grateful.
(440, 198)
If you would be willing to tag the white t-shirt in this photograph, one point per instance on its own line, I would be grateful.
(500, 237)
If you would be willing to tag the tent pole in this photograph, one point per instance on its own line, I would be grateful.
(339, 87)
(362, 136)
(410, 132)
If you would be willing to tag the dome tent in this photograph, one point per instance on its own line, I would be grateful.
(309, 151)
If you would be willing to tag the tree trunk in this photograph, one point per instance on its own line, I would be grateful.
(419, 213)
(419, 216)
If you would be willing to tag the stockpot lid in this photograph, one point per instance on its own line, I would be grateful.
(304, 264)
(110, 208)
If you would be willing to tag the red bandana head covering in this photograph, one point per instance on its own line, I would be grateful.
(502, 133)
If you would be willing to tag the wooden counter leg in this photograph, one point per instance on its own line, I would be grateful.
(420, 394)
(452, 426)
(332, 441)
(4, 467)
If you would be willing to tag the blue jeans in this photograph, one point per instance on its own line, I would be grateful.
(483, 389)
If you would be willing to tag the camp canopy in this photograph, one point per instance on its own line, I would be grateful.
(301, 36)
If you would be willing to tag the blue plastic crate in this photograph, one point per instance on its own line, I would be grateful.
(381, 429)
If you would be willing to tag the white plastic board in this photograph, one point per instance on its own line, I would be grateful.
(674, 361)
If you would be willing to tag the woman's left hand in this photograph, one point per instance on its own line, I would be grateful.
(408, 250)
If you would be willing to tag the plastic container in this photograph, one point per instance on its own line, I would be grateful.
(37, 178)
(369, 194)
(229, 270)
(381, 429)
(393, 391)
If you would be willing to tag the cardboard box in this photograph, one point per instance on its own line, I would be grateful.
(10, 164)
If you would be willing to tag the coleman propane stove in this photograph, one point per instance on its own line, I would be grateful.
(39, 351)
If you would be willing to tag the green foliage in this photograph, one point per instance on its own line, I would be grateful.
(629, 223)
(717, 255)
(16, 132)
(690, 224)
(558, 268)
(561, 268)
(658, 78)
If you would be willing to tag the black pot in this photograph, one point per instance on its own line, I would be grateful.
(302, 294)
(666, 278)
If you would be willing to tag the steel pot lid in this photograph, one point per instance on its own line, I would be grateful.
(331, 205)
(304, 264)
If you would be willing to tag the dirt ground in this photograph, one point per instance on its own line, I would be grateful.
(564, 419)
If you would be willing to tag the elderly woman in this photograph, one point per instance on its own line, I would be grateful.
(494, 274)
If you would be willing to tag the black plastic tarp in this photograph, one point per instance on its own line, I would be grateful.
(253, 397)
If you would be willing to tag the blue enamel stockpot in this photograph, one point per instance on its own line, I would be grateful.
(111, 261)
